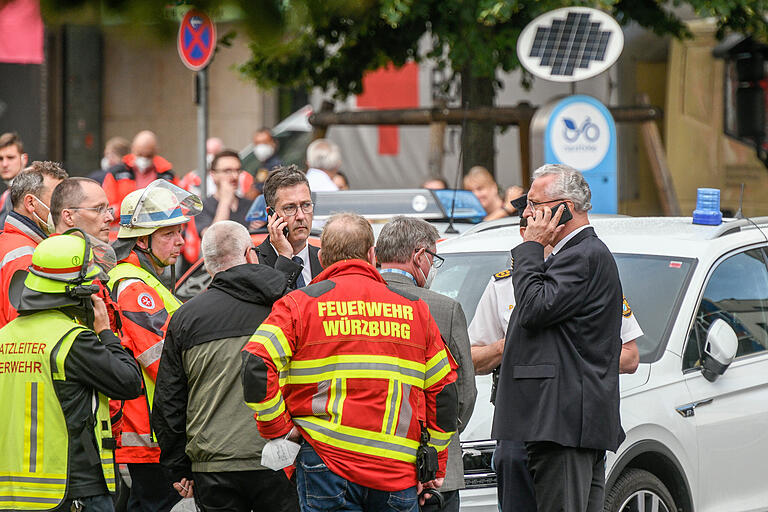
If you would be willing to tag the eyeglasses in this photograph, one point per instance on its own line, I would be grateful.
(534, 204)
(289, 210)
(228, 171)
(101, 210)
(437, 261)
(251, 248)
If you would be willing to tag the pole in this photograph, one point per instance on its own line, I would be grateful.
(202, 128)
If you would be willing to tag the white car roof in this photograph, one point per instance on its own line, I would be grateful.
(669, 236)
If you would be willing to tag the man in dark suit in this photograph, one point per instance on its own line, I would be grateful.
(406, 251)
(559, 388)
(289, 209)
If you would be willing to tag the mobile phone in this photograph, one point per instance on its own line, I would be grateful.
(567, 215)
(270, 212)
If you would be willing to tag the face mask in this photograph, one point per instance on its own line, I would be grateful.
(429, 277)
(263, 151)
(48, 226)
(104, 164)
(279, 453)
(142, 163)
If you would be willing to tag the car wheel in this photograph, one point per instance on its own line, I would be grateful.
(637, 490)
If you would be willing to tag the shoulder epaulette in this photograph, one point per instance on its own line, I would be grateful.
(503, 274)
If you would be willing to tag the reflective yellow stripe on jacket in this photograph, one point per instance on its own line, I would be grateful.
(121, 272)
(34, 441)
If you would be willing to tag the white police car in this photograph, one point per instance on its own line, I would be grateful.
(696, 410)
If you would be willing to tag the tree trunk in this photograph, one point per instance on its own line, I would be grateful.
(478, 141)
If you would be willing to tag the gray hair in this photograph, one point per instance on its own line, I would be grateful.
(401, 237)
(32, 180)
(282, 177)
(568, 184)
(324, 154)
(224, 245)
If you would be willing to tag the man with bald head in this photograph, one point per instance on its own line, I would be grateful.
(82, 203)
(138, 169)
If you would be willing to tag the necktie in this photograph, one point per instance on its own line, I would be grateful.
(299, 280)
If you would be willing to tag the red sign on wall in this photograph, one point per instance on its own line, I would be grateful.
(390, 88)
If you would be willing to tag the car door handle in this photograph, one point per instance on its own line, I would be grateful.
(688, 410)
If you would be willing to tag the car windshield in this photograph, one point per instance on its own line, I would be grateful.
(652, 284)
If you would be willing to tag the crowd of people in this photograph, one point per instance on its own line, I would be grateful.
(302, 378)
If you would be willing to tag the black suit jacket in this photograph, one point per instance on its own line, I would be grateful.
(559, 377)
(268, 256)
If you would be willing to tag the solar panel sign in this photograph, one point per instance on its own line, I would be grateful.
(570, 44)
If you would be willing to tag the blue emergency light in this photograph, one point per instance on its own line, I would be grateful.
(707, 210)
(464, 204)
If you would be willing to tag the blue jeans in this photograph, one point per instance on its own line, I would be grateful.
(322, 490)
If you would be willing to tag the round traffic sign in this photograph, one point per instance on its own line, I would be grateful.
(197, 40)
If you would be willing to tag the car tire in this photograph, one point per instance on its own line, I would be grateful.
(635, 488)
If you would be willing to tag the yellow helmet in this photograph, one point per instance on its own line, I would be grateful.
(159, 204)
(62, 273)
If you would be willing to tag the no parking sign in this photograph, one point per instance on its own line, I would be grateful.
(197, 40)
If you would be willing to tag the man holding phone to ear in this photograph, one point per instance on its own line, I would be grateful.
(289, 221)
(558, 387)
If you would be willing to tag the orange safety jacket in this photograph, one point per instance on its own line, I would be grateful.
(358, 368)
(144, 317)
(17, 243)
(121, 179)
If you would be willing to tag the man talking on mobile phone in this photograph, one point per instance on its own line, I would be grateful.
(559, 382)
(289, 221)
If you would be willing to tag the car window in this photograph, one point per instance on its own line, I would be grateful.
(652, 284)
(464, 276)
(653, 287)
(737, 292)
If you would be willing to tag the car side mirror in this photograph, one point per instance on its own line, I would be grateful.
(719, 349)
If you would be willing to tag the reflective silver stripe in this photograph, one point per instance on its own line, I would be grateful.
(336, 401)
(23, 228)
(34, 480)
(16, 254)
(354, 439)
(33, 427)
(122, 285)
(320, 398)
(406, 413)
(29, 499)
(275, 343)
(392, 405)
(438, 442)
(341, 367)
(134, 439)
(151, 355)
(272, 409)
(435, 369)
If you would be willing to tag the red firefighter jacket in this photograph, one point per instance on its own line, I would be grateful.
(144, 317)
(17, 243)
(358, 368)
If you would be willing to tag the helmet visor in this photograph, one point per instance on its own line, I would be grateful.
(163, 204)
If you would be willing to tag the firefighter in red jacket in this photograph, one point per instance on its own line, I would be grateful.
(361, 373)
(149, 241)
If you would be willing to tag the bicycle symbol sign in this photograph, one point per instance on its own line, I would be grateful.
(197, 40)
(572, 132)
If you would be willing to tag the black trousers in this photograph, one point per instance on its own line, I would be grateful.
(450, 503)
(151, 491)
(515, 485)
(567, 479)
(243, 491)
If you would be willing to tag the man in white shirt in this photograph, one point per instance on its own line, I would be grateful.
(323, 162)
